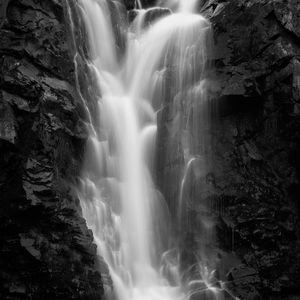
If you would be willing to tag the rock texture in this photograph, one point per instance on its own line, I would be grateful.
(46, 250)
(256, 156)
(252, 184)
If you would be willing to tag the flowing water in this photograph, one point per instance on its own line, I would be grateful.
(127, 214)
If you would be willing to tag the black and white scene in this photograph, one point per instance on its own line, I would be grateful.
(149, 149)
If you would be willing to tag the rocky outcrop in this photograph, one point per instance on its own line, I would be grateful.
(46, 250)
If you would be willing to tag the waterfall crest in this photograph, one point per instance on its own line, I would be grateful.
(127, 214)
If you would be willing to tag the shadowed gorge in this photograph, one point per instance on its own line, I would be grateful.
(149, 149)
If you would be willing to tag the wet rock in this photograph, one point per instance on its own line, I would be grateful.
(148, 3)
(255, 144)
(256, 167)
(242, 281)
(154, 14)
(288, 15)
(28, 244)
(8, 124)
(43, 26)
(130, 4)
(46, 250)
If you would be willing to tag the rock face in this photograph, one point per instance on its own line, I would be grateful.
(257, 141)
(46, 250)
(253, 182)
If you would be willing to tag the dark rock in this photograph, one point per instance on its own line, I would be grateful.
(256, 59)
(255, 145)
(130, 4)
(148, 3)
(288, 15)
(46, 250)
(242, 282)
(8, 124)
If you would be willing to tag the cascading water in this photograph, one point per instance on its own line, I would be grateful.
(127, 214)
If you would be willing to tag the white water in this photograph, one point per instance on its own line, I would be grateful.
(128, 216)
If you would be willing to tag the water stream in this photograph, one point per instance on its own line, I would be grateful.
(128, 215)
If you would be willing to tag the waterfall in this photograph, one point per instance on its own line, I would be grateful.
(128, 215)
